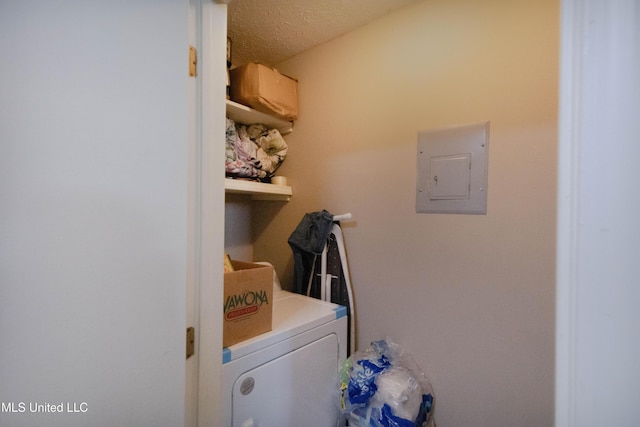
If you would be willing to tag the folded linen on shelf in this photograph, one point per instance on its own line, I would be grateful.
(253, 151)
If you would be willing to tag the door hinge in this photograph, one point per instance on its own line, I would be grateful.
(191, 341)
(193, 61)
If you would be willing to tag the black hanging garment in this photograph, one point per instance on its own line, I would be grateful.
(320, 264)
(307, 242)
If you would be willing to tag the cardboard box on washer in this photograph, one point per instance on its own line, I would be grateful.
(248, 302)
(265, 89)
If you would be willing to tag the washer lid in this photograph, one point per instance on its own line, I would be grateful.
(293, 314)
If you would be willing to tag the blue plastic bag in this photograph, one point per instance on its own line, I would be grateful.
(383, 387)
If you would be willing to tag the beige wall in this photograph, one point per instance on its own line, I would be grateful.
(471, 297)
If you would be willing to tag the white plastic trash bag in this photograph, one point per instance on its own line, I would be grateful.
(383, 387)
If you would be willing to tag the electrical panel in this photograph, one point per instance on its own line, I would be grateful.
(452, 170)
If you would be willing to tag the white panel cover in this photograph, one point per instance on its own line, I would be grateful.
(452, 170)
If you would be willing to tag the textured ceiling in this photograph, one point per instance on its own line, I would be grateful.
(270, 31)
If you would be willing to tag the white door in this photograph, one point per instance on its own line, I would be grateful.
(93, 223)
(93, 194)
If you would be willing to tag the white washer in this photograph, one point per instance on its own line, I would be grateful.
(287, 377)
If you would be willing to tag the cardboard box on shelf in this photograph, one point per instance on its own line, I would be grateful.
(248, 302)
(265, 89)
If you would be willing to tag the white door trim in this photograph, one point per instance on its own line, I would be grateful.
(209, 212)
(598, 270)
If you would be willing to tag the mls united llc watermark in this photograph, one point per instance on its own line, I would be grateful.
(44, 407)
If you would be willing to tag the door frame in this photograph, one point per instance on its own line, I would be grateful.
(597, 345)
(208, 29)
